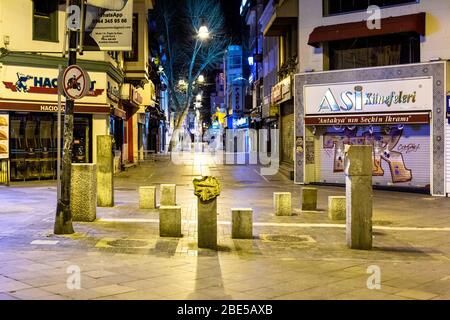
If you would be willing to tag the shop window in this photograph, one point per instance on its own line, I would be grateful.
(45, 20)
(133, 55)
(374, 51)
(331, 7)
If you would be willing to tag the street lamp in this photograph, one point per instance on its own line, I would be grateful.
(201, 79)
(203, 33)
(199, 97)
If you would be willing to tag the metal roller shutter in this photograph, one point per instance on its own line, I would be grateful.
(402, 154)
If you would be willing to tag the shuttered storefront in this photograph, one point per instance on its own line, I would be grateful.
(401, 154)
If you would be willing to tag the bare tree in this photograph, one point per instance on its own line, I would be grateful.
(188, 55)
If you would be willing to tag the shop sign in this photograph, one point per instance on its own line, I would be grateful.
(402, 118)
(274, 110)
(413, 94)
(4, 136)
(29, 84)
(281, 92)
(113, 92)
(136, 97)
(240, 123)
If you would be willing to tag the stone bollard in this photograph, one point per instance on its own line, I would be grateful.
(242, 223)
(147, 197)
(358, 171)
(105, 171)
(282, 203)
(309, 199)
(207, 190)
(168, 195)
(337, 208)
(84, 192)
(170, 221)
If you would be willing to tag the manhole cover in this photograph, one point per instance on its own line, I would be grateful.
(288, 238)
(127, 244)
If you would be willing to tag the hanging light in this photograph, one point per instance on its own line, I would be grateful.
(203, 33)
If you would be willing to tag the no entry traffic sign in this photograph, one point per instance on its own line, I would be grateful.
(75, 82)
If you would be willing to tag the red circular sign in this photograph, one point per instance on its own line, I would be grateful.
(75, 82)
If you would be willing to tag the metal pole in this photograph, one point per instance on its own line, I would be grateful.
(58, 157)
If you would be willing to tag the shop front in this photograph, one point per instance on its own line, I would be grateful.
(29, 97)
(399, 111)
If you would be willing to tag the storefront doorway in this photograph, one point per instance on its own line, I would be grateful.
(34, 144)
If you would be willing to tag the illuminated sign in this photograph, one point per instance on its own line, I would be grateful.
(415, 94)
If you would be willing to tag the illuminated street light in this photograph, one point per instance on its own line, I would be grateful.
(201, 79)
(199, 97)
(203, 33)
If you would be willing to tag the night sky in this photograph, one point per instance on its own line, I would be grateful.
(234, 21)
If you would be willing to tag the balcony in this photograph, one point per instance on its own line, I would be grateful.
(283, 15)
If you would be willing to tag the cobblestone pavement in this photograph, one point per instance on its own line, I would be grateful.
(121, 255)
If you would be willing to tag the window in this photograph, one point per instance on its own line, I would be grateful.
(331, 7)
(45, 20)
(133, 55)
(374, 51)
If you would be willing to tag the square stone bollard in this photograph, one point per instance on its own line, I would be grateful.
(359, 171)
(147, 197)
(337, 208)
(309, 199)
(84, 192)
(168, 195)
(207, 189)
(282, 202)
(105, 172)
(242, 223)
(207, 224)
(170, 221)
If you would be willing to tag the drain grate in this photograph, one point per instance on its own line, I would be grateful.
(288, 238)
(127, 244)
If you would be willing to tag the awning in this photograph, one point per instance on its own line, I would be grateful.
(409, 23)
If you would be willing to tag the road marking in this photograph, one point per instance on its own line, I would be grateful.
(276, 224)
(44, 242)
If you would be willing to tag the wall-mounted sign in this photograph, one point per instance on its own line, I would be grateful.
(413, 94)
(4, 136)
(75, 82)
(40, 84)
(281, 92)
(109, 25)
(113, 92)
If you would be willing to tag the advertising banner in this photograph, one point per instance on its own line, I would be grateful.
(108, 25)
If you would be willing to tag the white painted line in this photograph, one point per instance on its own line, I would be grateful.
(44, 242)
(288, 225)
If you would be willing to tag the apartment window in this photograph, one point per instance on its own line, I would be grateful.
(331, 7)
(374, 51)
(45, 20)
(133, 55)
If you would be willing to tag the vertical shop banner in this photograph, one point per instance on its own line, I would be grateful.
(108, 25)
(4, 136)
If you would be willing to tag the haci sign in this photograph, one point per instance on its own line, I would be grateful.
(379, 96)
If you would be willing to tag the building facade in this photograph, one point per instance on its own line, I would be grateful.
(30, 57)
(378, 76)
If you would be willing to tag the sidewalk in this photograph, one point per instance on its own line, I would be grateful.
(302, 257)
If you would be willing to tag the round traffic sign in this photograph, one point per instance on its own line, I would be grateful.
(75, 82)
